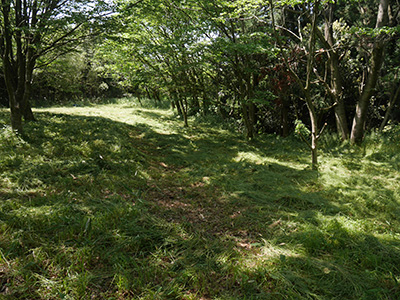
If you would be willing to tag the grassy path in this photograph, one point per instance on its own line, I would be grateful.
(121, 202)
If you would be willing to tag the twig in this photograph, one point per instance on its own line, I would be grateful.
(291, 32)
(305, 140)
(322, 130)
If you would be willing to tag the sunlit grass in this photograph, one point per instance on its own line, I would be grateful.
(119, 201)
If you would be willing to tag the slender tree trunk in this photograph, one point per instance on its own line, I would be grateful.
(357, 132)
(156, 94)
(26, 106)
(178, 108)
(247, 121)
(205, 103)
(139, 97)
(148, 93)
(221, 103)
(314, 139)
(393, 100)
(336, 85)
(248, 109)
(285, 117)
(195, 103)
(337, 91)
(253, 117)
(183, 105)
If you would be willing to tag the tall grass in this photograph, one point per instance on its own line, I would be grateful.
(119, 201)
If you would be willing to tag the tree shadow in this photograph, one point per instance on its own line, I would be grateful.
(105, 208)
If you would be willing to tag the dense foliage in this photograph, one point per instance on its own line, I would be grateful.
(226, 58)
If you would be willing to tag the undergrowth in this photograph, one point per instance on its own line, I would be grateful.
(119, 201)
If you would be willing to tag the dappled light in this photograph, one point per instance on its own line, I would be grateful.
(199, 149)
(121, 202)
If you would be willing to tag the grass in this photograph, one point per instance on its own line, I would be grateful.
(118, 201)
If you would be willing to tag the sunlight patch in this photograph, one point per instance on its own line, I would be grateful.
(253, 158)
(249, 157)
(268, 253)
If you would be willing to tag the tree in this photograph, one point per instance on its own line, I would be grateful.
(369, 45)
(240, 47)
(31, 29)
(376, 61)
(305, 83)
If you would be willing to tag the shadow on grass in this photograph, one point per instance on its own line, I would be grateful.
(97, 208)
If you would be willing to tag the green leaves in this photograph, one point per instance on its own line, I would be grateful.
(374, 32)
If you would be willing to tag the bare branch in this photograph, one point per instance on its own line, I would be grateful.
(57, 41)
(289, 31)
(322, 131)
(305, 140)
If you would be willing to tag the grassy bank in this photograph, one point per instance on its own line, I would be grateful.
(120, 202)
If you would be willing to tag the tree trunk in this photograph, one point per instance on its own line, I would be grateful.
(285, 117)
(336, 85)
(9, 72)
(357, 131)
(253, 117)
(157, 97)
(15, 111)
(205, 103)
(178, 108)
(337, 91)
(139, 97)
(26, 106)
(18, 62)
(341, 119)
(195, 104)
(392, 102)
(183, 106)
(314, 131)
(247, 121)
(148, 93)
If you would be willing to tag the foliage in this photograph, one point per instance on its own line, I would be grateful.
(74, 76)
(35, 32)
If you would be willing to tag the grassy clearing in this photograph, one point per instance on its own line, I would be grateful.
(120, 202)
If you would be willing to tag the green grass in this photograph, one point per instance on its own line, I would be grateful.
(119, 201)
